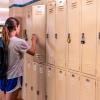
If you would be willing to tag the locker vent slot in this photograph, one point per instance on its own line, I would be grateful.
(39, 58)
(88, 2)
(74, 5)
(51, 7)
(51, 10)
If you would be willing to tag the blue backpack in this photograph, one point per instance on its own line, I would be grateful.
(3, 60)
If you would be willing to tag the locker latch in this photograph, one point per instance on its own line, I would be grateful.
(83, 39)
(31, 88)
(25, 84)
(99, 35)
(47, 35)
(69, 38)
(38, 92)
(73, 75)
(87, 80)
(56, 36)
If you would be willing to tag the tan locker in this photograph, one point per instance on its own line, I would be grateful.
(88, 36)
(73, 86)
(42, 82)
(39, 28)
(28, 18)
(88, 89)
(74, 30)
(98, 39)
(60, 35)
(50, 39)
(60, 84)
(50, 83)
(26, 80)
(37, 82)
(28, 58)
(34, 81)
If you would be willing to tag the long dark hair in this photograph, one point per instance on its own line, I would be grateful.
(10, 26)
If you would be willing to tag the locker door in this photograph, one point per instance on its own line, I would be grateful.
(73, 39)
(34, 81)
(42, 82)
(73, 86)
(26, 81)
(87, 89)
(28, 19)
(50, 40)
(88, 36)
(98, 39)
(39, 28)
(60, 84)
(50, 83)
(61, 8)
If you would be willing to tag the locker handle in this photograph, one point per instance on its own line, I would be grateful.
(47, 36)
(60, 71)
(25, 35)
(38, 92)
(32, 88)
(73, 75)
(49, 68)
(56, 35)
(83, 38)
(99, 35)
(87, 80)
(25, 84)
(69, 38)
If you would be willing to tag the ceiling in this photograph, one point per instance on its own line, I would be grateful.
(4, 14)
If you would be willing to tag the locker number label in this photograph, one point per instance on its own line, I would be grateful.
(40, 9)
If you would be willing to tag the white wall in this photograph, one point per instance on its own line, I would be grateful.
(3, 13)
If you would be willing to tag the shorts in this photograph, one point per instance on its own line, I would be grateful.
(10, 85)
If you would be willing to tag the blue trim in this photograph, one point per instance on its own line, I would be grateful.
(22, 5)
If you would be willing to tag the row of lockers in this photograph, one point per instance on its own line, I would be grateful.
(73, 35)
(71, 43)
(34, 85)
(72, 39)
(68, 85)
(58, 84)
(33, 19)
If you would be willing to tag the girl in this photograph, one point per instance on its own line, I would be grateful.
(16, 48)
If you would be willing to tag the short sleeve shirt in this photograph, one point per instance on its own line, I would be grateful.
(17, 48)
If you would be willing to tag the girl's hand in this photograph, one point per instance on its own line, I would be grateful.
(34, 38)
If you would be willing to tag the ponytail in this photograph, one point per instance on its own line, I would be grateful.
(5, 37)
